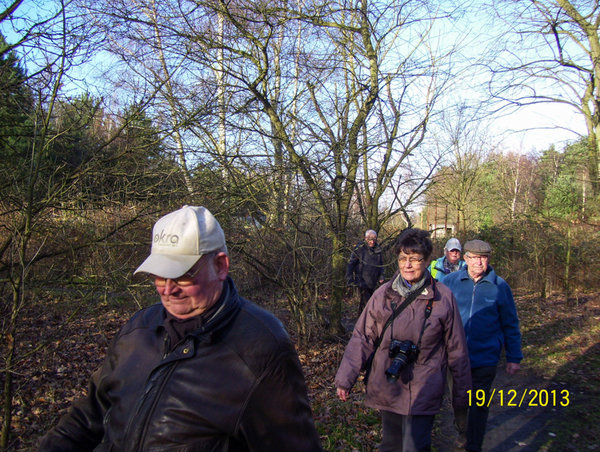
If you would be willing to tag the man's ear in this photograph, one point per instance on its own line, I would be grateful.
(222, 266)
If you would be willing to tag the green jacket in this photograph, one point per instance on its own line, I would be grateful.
(437, 270)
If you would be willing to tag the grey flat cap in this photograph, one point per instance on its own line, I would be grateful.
(478, 247)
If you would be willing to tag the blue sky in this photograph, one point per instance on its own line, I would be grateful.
(539, 126)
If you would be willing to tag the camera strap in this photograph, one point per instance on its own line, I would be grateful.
(411, 297)
(369, 362)
(428, 309)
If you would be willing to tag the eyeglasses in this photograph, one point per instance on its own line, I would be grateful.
(477, 258)
(185, 280)
(412, 260)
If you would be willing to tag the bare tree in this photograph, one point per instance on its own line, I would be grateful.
(550, 52)
(457, 183)
(68, 164)
(152, 64)
(511, 185)
(300, 82)
(327, 128)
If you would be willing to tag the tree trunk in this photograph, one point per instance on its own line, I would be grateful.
(8, 372)
(567, 285)
(7, 403)
(338, 263)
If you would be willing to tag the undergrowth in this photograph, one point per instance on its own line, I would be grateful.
(561, 343)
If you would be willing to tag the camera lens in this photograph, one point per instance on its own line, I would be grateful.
(393, 372)
(403, 353)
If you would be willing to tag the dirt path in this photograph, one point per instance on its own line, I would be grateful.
(511, 428)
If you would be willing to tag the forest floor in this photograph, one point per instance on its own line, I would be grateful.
(525, 428)
(558, 387)
(552, 404)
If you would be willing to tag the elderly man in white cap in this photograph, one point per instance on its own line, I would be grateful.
(449, 262)
(203, 370)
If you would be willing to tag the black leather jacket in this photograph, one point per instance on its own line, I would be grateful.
(236, 384)
(365, 267)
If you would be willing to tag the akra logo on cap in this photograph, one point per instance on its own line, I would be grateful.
(179, 239)
(166, 239)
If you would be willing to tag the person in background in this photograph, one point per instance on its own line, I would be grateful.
(204, 369)
(411, 356)
(489, 316)
(449, 262)
(365, 268)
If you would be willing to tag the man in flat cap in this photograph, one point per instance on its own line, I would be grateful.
(203, 370)
(489, 316)
(449, 262)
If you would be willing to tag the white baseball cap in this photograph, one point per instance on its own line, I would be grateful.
(453, 244)
(179, 239)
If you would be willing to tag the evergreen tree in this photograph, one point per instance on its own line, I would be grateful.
(16, 104)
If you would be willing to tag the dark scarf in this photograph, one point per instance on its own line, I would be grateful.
(178, 328)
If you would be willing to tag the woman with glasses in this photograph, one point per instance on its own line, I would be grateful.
(407, 338)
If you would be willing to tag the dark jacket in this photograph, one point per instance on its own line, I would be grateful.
(365, 267)
(420, 389)
(489, 316)
(235, 384)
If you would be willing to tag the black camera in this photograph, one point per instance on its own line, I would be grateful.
(404, 353)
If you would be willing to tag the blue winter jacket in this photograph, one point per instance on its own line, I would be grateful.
(437, 270)
(489, 315)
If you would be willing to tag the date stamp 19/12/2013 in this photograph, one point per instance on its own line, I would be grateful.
(521, 398)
